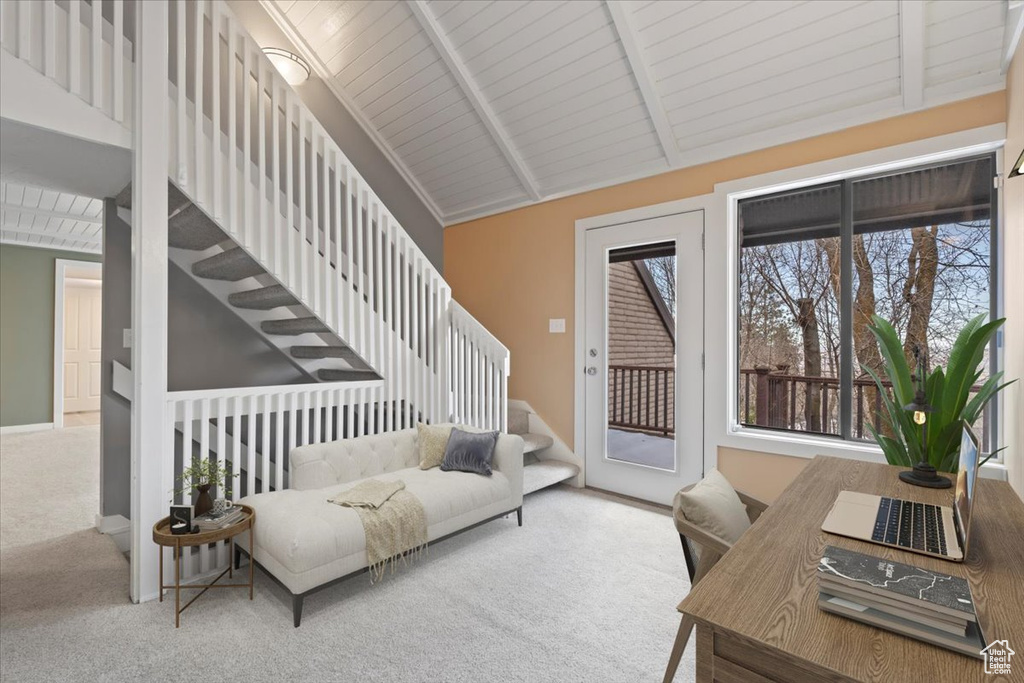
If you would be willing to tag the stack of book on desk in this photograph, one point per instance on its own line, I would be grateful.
(209, 522)
(914, 602)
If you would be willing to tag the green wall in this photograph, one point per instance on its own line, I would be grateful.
(26, 332)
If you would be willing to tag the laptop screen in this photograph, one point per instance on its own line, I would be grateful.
(965, 481)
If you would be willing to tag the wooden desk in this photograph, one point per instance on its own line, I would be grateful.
(756, 612)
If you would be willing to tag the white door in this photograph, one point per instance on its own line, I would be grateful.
(82, 332)
(644, 388)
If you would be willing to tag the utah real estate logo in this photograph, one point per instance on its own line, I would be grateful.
(997, 657)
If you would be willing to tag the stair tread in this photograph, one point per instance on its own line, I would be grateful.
(232, 265)
(544, 473)
(263, 298)
(294, 326)
(536, 442)
(191, 229)
(316, 352)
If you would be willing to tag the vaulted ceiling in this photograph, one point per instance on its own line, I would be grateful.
(485, 106)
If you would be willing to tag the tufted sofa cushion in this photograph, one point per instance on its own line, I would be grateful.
(339, 462)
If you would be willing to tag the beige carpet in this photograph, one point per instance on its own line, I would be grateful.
(585, 591)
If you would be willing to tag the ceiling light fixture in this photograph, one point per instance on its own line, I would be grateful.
(292, 67)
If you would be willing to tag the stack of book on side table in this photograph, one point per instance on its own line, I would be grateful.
(914, 602)
(210, 522)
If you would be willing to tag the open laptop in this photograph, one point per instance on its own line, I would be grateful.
(935, 530)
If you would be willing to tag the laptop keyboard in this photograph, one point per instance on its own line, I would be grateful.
(911, 525)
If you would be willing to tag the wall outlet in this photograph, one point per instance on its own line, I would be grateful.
(556, 325)
(127, 338)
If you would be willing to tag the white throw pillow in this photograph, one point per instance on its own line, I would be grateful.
(714, 506)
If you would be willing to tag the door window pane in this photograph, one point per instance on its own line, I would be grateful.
(641, 355)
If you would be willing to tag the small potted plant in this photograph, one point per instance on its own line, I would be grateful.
(202, 475)
(946, 391)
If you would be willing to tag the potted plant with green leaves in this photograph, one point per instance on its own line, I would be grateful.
(202, 475)
(947, 393)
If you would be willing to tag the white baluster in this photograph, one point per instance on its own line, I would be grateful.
(325, 235)
(216, 181)
(237, 460)
(314, 210)
(222, 412)
(50, 38)
(292, 239)
(317, 418)
(261, 244)
(117, 58)
(233, 226)
(338, 222)
(281, 231)
(96, 53)
(350, 273)
(204, 459)
(250, 441)
(265, 443)
(279, 451)
(74, 47)
(247, 215)
(303, 235)
(197, 98)
(182, 94)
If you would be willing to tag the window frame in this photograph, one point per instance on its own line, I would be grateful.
(845, 438)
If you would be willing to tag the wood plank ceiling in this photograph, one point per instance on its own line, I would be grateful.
(486, 106)
(38, 217)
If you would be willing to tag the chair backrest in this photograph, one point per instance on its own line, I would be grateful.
(702, 549)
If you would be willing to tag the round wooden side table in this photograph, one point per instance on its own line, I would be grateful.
(163, 537)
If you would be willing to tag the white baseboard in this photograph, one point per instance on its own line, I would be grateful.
(558, 450)
(18, 429)
(118, 527)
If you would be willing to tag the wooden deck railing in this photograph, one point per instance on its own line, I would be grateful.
(775, 398)
(642, 397)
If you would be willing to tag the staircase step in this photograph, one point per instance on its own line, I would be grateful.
(518, 421)
(536, 442)
(232, 265)
(316, 352)
(264, 299)
(176, 200)
(191, 229)
(345, 375)
(294, 326)
(546, 473)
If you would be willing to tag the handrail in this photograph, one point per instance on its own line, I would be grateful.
(274, 390)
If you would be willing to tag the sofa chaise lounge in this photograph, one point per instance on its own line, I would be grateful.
(305, 543)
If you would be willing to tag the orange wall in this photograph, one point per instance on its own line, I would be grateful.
(515, 270)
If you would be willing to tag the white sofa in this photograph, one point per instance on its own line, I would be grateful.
(305, 543)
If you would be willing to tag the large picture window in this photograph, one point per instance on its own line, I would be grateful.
(915, 247)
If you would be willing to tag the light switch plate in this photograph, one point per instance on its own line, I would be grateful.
(127, 338)
(556, 325)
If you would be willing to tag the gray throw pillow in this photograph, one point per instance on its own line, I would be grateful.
(470, 452)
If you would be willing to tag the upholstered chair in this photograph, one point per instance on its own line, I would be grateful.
(702, 548)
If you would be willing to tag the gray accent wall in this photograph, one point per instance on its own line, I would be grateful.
(379, 172)
(208, 347)
(115, 411)
(26, 332)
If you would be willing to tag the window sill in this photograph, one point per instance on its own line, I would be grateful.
(806, 446)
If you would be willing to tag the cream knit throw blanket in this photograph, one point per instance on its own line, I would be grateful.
(393, 521)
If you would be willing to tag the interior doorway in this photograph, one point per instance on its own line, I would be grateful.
(642, 347)
(77, 343)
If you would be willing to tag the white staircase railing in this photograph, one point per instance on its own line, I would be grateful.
(81, 46)
(247, 151)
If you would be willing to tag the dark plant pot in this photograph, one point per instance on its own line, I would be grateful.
(204, 503)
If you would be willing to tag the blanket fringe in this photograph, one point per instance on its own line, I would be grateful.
(408, 557)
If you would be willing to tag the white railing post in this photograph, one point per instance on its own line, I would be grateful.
(149, 291)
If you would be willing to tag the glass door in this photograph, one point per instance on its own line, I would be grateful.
(644, 342)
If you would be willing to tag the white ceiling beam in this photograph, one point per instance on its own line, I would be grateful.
(22, 242)
(23, 230)
(324, 74)
(912, 53)
(1012, 32)
(60, 215)
(458, 69)
(630, 40)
